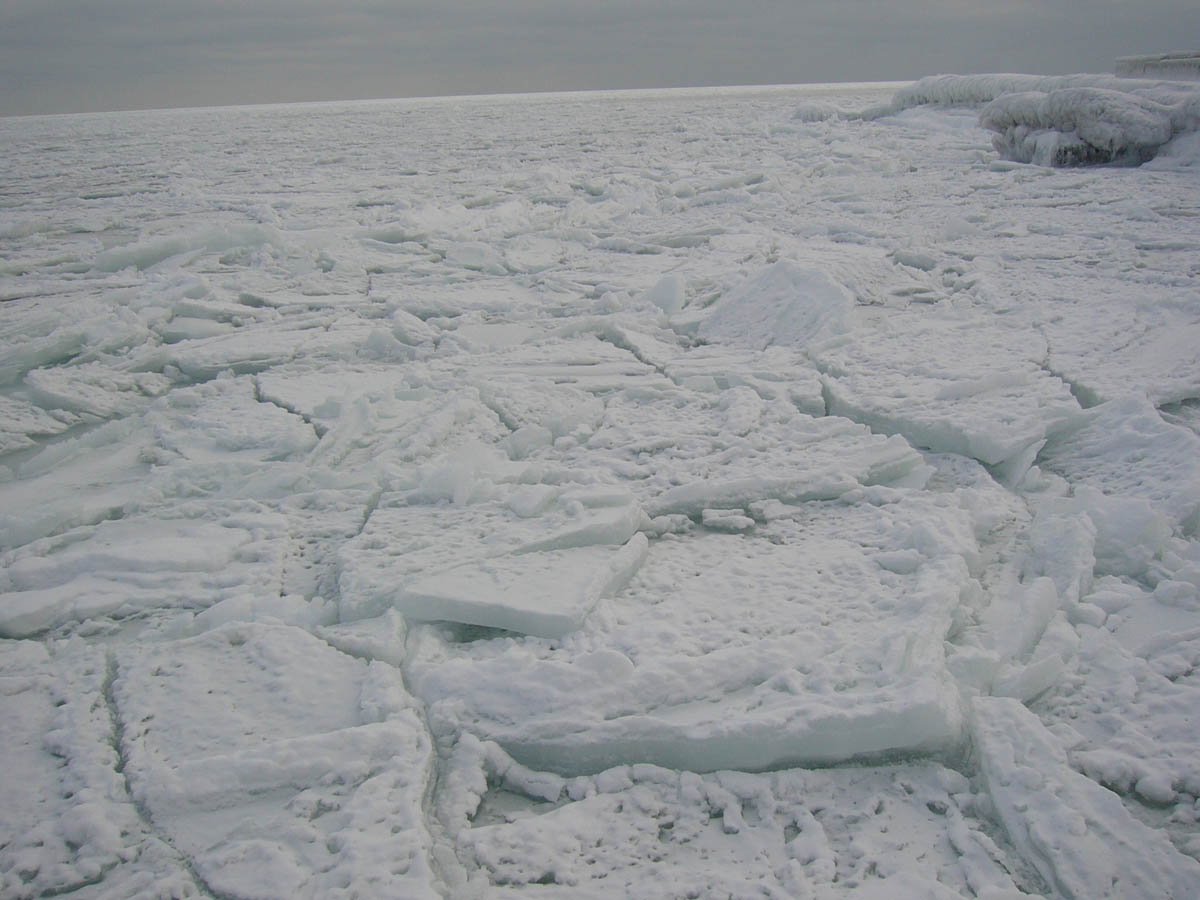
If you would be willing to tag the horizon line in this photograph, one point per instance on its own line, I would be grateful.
(466, 95)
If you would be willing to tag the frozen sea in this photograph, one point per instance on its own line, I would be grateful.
(785, 492)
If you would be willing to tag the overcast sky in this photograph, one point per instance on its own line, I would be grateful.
(79, 55)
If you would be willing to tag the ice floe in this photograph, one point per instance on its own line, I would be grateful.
(686, 493)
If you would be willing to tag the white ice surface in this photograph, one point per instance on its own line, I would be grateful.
(731, 492)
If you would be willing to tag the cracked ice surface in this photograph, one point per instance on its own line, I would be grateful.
(690, 493)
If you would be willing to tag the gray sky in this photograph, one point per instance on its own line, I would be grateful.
(79, 55)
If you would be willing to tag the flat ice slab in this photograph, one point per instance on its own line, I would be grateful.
(531, 558)
(797, 644)
(546, 593)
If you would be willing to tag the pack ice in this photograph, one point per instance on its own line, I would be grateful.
(756, 492)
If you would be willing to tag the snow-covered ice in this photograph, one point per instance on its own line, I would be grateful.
(742, 492)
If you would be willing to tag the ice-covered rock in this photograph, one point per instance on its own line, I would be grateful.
(1066, 120)
(1078, 126)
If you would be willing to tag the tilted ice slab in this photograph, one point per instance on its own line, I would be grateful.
(546, 593)
(277, 764)
(249, 349)
(1126, 449)
(531, 558)
(21, 422)
(77, 481)
(40, 332)
(133, 565)
(949, 385)
(786, 305)
(818, 639)
(1078, 834)
(95, 389)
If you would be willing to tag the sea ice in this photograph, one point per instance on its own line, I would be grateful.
(706, 492)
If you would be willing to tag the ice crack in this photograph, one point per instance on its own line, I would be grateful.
(118, 743)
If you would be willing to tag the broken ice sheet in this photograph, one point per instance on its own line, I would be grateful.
(682, 452)
(272, 760)
(648, 831)
(351, 305)
(132, 565)
(948, 385)
(445, 560)
(1079, 835)
(793, 645)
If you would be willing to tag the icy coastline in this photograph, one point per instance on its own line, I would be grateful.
(1067, 120)
(748, 492)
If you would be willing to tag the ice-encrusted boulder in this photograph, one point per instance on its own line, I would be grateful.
(1066, 120)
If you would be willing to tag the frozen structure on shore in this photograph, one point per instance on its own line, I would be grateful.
(1067, 120)
(1177, 66)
